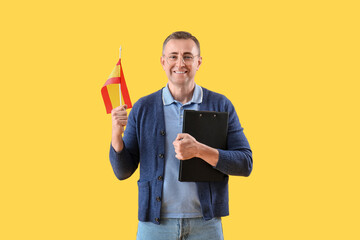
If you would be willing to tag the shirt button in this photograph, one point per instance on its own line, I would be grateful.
(158, 199)
(160, 178)
(157, 219)
(162, 132)
(161, 155)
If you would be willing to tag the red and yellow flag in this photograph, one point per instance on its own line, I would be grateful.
(110, 90)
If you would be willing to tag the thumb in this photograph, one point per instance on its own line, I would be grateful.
(123, 107)
(180, 136)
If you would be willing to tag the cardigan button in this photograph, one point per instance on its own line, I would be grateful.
(158, 199)
(161, 155)
(160, 178)
(162, 132)
(157, 219)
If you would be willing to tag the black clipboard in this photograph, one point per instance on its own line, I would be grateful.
(209, 128)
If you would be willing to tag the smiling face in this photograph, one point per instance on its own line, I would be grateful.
(175, 61)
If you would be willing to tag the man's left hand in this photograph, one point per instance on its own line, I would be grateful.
(186, 146)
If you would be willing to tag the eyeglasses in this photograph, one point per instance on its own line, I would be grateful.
(187, 59)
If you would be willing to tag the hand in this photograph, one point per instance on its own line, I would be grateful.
(186, 146)
(119, 120)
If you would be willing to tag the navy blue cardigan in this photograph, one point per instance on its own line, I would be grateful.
(144, 143)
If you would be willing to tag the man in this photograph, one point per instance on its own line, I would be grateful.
(169, 209)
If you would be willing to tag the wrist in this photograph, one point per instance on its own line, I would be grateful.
(200, 150)
(208, 154)
(117, 132)
(118, 145)
(117, 142)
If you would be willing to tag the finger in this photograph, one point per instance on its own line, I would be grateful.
(118, 122)
(179, 156)
(120, 108)
(180, 136)
(123, 122)
(119, 113)
(176, 143)
(120, 116)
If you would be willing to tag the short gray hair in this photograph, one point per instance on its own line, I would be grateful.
(181, 35)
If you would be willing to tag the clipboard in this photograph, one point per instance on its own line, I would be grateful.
(209, 128)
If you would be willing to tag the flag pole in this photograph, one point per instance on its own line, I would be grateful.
(120, 75)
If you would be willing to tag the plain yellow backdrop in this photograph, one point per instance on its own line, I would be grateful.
(291, 68)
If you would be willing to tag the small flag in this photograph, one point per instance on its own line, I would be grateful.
(110, 90)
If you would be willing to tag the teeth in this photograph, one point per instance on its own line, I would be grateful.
(179, 72)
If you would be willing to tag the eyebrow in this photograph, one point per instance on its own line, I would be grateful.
(184, 53)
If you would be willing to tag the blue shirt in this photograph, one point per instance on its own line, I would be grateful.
(144, 146)
(180, 199)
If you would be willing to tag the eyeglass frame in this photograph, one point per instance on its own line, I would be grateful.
(182, 57)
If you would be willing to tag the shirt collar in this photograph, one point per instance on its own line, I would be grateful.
(168, 98)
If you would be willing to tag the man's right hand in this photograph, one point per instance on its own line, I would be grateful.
(119, 121)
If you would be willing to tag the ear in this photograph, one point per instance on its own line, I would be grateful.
(199, 61)
(162, 61)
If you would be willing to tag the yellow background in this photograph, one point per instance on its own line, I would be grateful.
(291, 68)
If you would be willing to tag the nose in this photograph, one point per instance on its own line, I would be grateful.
(180, 62)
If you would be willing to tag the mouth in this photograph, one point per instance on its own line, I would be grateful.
(180, 72)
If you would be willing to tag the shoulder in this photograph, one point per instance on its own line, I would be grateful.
(218, 102)
(215, 98)
(148, 101)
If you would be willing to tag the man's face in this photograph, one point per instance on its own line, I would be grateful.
(177, 63)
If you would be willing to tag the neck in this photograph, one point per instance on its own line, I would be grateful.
(182, 93)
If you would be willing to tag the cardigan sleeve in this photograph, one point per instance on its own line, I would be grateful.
(237, 158)
(125, 163)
